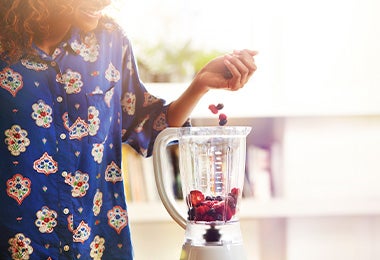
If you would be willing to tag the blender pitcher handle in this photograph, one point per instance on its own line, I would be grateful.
(160, 161)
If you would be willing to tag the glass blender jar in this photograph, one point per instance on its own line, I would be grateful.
(212, 166)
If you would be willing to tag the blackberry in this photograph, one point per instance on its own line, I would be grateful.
(219, 198)
(219, 106)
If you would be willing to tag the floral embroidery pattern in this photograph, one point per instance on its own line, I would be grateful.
(98, 202)
(149, 99)
(129, 103)
(93, 120)
(82, 233)
(97, 152)
(11, 81)
(16, 139)
(42, 114)
(117, 218)
(112, 74)
(18, 188)
(72, 81)
(56, 53)
(113, 173)
(160, 122)
(20, 248)
(88, 49)
(79, 183)
(32, 65)
(97, 248)
(46, 220)
(45, 164)
(79, 129)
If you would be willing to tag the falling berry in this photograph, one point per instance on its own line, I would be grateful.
(220, 106)
(213, 109)
(223, 122)
(222, 117)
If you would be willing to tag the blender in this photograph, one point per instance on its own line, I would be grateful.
(212, 165)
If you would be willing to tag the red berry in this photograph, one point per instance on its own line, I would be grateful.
(235, 191)
(222, 116)
(219, 207)
(196, 197)
(209, 203)
(213, 109)
(229, 213)
(208, 218)
(201, 210)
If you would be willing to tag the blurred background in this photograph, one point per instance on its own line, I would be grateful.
(312, 188)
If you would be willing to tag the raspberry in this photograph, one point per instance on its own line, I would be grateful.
(209, 203)
(213, 109)
(229, 213)
(195, 197)
(235, 192)
(219, 207)
(222, 117)
(200, 211)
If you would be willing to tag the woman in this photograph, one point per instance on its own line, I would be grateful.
(70, 95)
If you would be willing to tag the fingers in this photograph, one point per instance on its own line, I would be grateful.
(242, 65)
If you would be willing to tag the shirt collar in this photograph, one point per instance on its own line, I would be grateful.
(74, 35)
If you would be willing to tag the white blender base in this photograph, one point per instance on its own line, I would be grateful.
(213, 252)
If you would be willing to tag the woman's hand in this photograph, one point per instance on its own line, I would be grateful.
(231, 71)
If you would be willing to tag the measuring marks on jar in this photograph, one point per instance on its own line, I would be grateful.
(220, 168)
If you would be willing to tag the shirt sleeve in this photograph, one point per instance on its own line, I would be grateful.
(143, 115)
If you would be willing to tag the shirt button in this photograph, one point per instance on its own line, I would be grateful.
(63, 136)
(66, 211)
(66, 248)
(59, 99)
(53, 63)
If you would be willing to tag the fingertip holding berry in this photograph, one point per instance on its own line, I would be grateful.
(227, 74)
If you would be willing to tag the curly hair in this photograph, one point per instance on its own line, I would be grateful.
(24, 21)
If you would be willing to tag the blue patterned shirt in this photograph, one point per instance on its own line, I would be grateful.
(62, 123)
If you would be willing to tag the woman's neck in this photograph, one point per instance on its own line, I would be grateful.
(58, 32)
